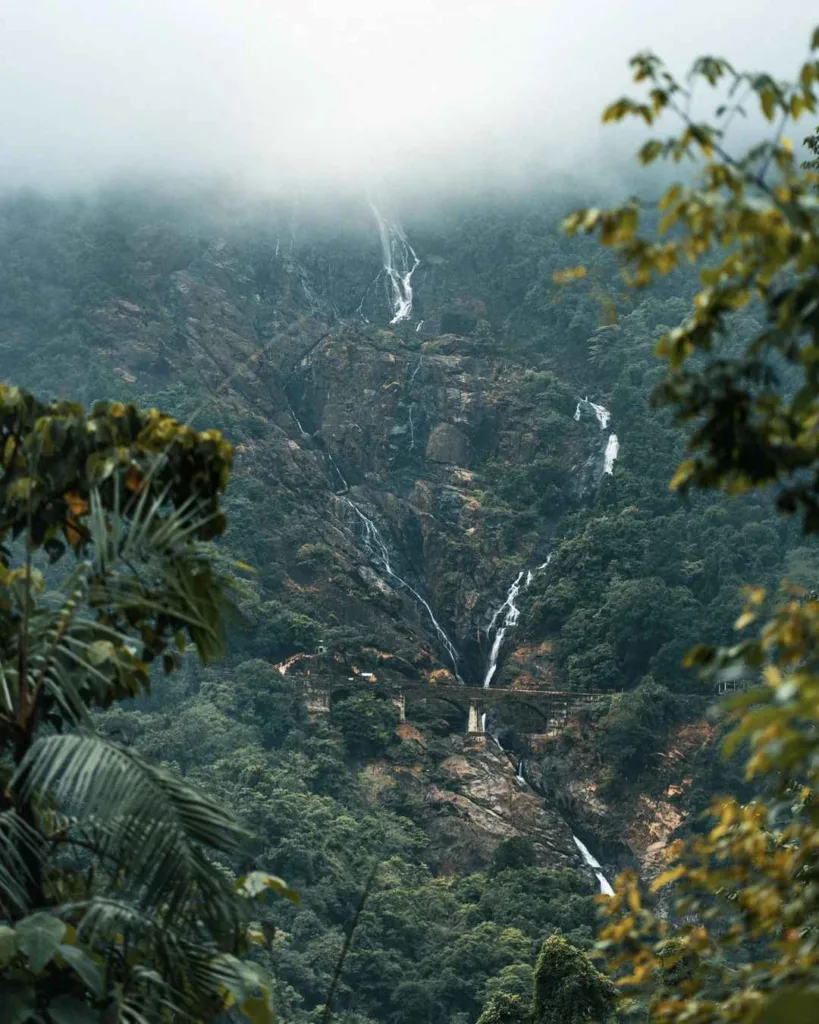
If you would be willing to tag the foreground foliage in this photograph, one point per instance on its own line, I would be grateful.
(740, 943)
(116, 902)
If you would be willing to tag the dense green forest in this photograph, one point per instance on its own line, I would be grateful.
(408, 607)
(275, 333)
(446, 471)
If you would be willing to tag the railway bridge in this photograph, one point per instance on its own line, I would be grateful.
(553, 707)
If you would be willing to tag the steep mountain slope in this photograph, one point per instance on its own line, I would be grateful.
(425, 493)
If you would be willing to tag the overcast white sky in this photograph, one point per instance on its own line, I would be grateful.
(266, 91)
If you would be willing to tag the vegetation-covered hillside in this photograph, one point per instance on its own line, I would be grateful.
(391, 482)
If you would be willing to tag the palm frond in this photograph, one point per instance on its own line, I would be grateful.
(180, 968)
(64, 656)
(176, 578)
(159, 830)
(20, 848)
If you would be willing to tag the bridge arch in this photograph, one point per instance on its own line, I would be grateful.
(461, 706)
(533, 707)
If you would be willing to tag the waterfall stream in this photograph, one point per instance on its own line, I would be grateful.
(507, 615)
(612, 449)
(377, 549)
(588, 857)
(510, 618)
(603, 417)
(400, 263)
(594, 864)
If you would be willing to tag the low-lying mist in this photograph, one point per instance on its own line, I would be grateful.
(321, 98)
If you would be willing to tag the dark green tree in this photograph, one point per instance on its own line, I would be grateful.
(506, 1009)
(366, 721)
(514, 853)
(568, 987)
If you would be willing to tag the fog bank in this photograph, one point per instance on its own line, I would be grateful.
(347, 94)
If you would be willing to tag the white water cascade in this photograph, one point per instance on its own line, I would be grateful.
(612, 449)
(377, 549)
(519, 773)
(508, 614)
(603, 417)
(510, 618)
(400, 263)
(594, 864)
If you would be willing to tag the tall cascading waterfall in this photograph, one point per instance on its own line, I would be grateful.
(378, 552)
(510, 618)
(603, 417)
(594, 864)
(506, 616)
(400, 263)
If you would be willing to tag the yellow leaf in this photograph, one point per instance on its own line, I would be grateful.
(258, 1010)
(684, 472)
(568, 275)
(744, 620)
(667, 877)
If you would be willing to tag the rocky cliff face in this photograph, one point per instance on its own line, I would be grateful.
(392, 481)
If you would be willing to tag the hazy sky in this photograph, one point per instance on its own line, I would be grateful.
(266, 91)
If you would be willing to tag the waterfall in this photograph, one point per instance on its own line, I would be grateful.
(603, 417)
(519, 773)
(510, 614)
(602, 414)
(594, 864)
(400, 263)
(292, 412)
(340, 475)
(612, 448)
(509, 619)
(378, 552)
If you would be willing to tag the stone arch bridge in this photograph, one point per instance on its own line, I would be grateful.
(553, 707)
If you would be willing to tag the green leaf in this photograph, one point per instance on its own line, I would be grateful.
(100, 651)
(8, 944)
(39, 937)
(67, 1010)
(17, 1003)
(83, 965)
